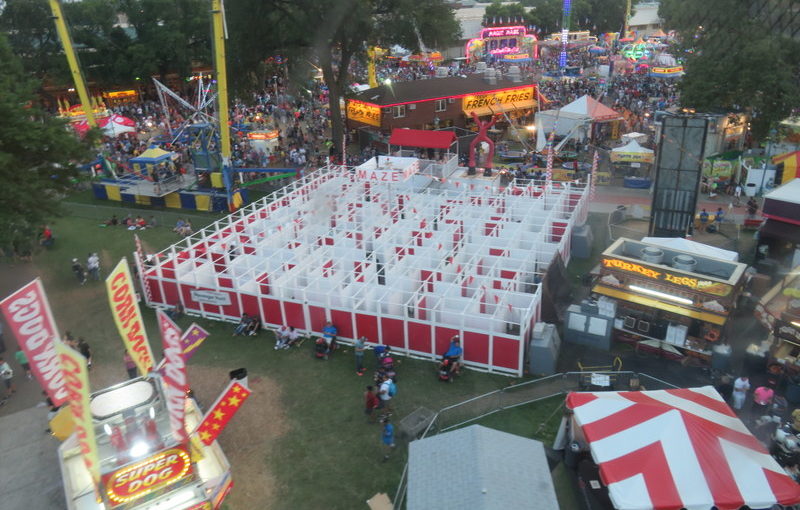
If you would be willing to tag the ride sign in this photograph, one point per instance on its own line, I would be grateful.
(175, 381)
(151, 474)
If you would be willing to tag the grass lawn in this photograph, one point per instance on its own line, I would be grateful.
(328, 457)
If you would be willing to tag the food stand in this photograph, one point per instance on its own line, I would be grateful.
(671, 301)
(142, 466)
(779, 312)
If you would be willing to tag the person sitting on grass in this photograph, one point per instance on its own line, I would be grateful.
(141, 224)
(242, 326)
(179, 226)
(253, 327)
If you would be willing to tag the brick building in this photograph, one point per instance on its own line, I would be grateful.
(438, 103)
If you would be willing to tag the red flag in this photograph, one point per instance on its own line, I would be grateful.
(174, 372)
(222, 411)
(30, 319)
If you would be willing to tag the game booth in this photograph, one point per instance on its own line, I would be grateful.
(142, 465)
(779, 312)
(405, 252)
(670, 449)
(675, 302)
(511, 45)
(635, 161)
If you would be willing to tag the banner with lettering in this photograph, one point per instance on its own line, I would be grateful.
(128, 318)
(28, 315)
(174, 373)
(76, 377)
(363, 112)
(192, 339)
(218, 416)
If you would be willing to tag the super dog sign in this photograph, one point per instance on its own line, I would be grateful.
(151, 474)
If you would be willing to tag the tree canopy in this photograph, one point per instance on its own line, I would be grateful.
(733, 62)
(37, 154)
(116, 41)
(331, 34)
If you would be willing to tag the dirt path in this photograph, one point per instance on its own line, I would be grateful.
(249, 436)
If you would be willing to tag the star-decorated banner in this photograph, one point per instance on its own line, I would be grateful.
(191, 340)
(222, 411)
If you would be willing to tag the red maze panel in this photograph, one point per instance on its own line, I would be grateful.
(343, 322)
(274, 315)
(506, 352)
(170, 292)
(476, 347)
(155, 291)
(250, 305)
(367, 325)
(317, 315)
(419, 337)
(443, 336)
(294, 315)
(393, 334)
(232, 310)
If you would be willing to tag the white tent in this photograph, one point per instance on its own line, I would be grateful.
(632, 152)
(679, 243)
(564, 124)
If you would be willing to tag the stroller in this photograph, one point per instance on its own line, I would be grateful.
(321, 349)
(387, 366)
(446, 371)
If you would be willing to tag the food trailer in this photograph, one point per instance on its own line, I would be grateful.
(142, 466)
(675, 302)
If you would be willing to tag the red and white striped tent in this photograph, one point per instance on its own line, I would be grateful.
(673, 449)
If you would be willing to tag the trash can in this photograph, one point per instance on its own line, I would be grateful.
(572, 454)
(720, 359)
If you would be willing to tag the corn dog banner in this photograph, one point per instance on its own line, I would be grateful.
(73, 366)
(28, 315)
(174, 373)
(128, 318)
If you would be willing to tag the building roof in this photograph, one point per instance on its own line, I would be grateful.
(421, 138)
(435, 88)
(481, 469)
(681, 448)
(789, 192)
(645, 13)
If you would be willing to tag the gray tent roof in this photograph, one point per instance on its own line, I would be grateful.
(452, 471)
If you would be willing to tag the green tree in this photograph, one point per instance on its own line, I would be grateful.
(37, 154)
(168, 36)
(733, 63)
(597, 16)
(504, 13)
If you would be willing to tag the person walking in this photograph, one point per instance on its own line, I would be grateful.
(371, 402)
(386, 393)
(7, 375)
(86, 351)
(740, 388)
(387, 437)
(130, 366)
(77, 269)
(360, 346)
(93, 266)
(22, 359)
